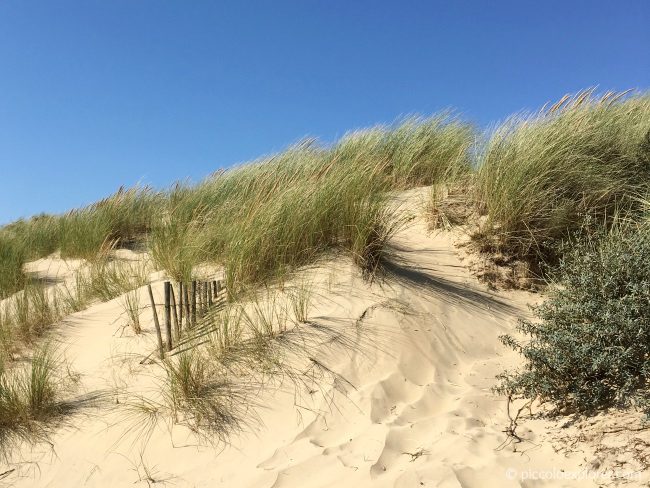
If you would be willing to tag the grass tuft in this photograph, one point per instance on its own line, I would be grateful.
(198, 395)
(31, 311)
(30, 397)
(131, 305)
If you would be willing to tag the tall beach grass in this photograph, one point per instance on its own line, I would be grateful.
(12, 259)
(262, 219)
(30, 398)
(547, 175)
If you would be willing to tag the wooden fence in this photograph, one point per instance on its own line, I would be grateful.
(185, 304)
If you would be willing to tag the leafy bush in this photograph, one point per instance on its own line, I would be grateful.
(590, 348)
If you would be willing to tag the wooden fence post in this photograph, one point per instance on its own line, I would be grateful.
(177, 325)
(180, 304)
(186, 298)
(193, 303)
(168, 315)
(156, 323)
(199, 299)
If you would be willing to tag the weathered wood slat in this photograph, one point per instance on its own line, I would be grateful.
(180, 306)
(177, 327)
(186, 297)
(168, 317)
(161, 348)
(193, 303)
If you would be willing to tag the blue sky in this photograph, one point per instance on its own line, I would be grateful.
(97, 94)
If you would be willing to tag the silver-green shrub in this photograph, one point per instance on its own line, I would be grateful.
(590, 347)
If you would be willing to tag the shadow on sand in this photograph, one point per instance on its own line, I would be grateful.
(414, 278)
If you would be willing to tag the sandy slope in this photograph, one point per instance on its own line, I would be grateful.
(410, 404)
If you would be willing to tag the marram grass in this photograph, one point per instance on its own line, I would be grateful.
(30, 398)
(262, 219)
(545, 176)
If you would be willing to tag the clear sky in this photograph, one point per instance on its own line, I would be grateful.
(95, 94)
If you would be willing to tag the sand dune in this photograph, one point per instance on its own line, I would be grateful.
(405, 399)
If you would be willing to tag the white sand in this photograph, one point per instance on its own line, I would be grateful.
(418, 409)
